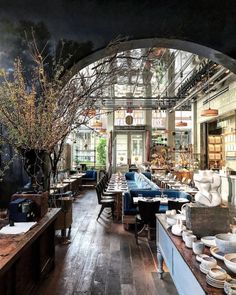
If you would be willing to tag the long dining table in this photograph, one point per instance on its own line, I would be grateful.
(117, 185)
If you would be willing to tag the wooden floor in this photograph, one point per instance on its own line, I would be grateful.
(103, 258)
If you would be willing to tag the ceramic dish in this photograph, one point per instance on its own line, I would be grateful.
(215, 281)
(208, 262)
(218, 274)
(200, 256)
(230, 261)
(215, 285)
(228, 285)
(204, 270)
(217, 253)
(209, 241)
(226, 242)
(171, 220)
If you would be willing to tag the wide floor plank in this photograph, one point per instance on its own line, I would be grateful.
(103, 258)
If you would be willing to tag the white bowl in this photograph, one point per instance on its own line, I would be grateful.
(199, 257)
(230, 261)
(226, 242)
(208, 262)
(171, 220)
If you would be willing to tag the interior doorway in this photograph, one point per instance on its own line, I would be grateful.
(129, 148)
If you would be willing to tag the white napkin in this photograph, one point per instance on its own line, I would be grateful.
(18, 228)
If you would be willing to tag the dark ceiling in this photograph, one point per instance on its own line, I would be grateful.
(208, 23)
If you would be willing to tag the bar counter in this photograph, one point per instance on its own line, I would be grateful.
(26, 258)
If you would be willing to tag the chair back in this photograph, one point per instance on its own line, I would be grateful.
(99, 194)
(176, 205)
(147, 211)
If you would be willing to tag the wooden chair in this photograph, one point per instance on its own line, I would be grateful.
(176, 205)
(107, 202)
(146, 217)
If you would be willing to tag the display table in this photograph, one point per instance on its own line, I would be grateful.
(26, 259)
(181, 262)
(116, 188)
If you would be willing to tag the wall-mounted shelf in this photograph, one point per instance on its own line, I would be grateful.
(215, 151)
(230, 145)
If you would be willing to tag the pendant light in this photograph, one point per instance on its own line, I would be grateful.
(209, 112)
(97, 124)
(181, 123)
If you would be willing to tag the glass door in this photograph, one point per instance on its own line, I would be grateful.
(129, 148)
(121, 149)
(136, 148)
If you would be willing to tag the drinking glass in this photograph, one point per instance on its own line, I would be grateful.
(140, 196)
(162, 193)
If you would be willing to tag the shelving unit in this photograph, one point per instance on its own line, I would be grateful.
(215, 151)
(230, 145)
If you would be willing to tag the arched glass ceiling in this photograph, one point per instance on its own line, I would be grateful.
(158, 78)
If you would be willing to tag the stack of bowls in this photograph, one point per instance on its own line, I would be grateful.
(216, 277)
(230, 287)
(207, 263)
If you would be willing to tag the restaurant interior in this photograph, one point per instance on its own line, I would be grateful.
(118, 173)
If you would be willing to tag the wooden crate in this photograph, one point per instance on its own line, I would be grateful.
(207, 221)
(40, 200)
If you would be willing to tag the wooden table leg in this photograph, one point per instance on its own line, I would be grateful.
(118, 206)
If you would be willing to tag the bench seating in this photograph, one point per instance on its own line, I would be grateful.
(140, 181)
(129, 208)
(90, 177)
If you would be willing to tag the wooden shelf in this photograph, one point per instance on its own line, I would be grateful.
(215, 151)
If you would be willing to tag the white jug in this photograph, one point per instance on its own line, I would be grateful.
(178, 228)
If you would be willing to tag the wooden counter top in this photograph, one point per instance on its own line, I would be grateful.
(190, 258)
(11, 246)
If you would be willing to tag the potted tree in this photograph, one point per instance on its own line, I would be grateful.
(39, 112)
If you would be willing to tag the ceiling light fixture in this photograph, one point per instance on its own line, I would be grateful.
(97, 124)
(103, 131)
(209, 112)
(181, 123)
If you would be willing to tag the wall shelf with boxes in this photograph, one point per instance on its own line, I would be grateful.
(215, 151)
(230, 145)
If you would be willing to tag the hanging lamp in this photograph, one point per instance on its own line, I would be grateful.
(181, 123)
(103, 131)
(97, 124)
(209, 112)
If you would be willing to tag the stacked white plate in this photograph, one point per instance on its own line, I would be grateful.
(214, 282)
(204, 270)
(217, 277)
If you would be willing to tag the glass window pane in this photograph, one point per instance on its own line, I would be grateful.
(136, 148)
(121, 149)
